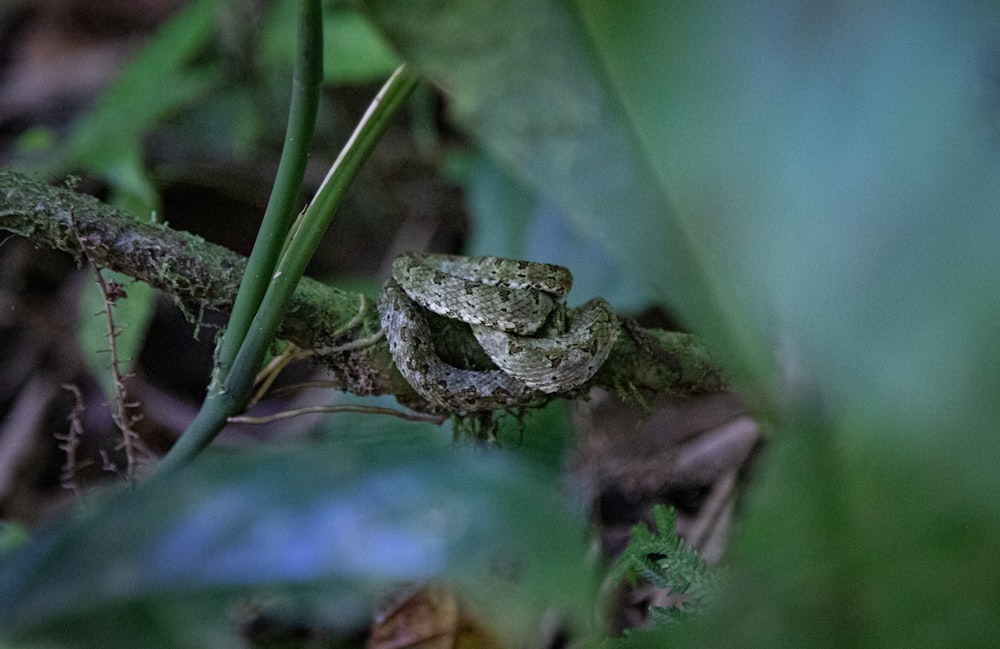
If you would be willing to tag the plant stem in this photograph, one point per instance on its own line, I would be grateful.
(221, 402)
(309, 228)
(306, 81)
(229, 397)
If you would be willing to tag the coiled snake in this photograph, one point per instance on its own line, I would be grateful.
(513, 307)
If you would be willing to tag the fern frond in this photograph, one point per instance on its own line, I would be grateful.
(663, 559)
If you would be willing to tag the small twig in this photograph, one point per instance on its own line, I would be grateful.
(123, 416)
(107, 464)
(359, 343)
(358, 318)
(267, 376)
(306, 385)
(70, 441)
(309, 410)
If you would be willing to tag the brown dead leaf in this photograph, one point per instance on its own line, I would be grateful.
(430, 617)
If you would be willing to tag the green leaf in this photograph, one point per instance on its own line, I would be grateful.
(832, 178)
(843, 166)
(842, 550)
(509, 220)
(523, 79)
(319, 532)
(666, 561)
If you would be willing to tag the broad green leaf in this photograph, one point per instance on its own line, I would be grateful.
(833, 178)
(848, 551)
(541, 435)
(844, 161)
(780, 191)
(509, 220)
(523, 79)
(319, 533)
(545, 436)
(845, 165)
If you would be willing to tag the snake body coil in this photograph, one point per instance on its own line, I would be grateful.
(513, 308)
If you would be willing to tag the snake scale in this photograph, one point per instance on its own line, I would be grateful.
(515, 311)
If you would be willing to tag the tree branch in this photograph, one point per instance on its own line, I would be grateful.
(201, 275)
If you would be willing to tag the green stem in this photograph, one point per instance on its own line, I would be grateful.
(306, 81)
(307, 78)
(309, 229)
(231, 396)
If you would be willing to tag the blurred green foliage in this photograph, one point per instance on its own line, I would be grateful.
(810, 186)
(316, 533)
(11, 536)
(813, 188)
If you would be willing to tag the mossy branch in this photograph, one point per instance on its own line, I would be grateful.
(198, 274)
(201, 275)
